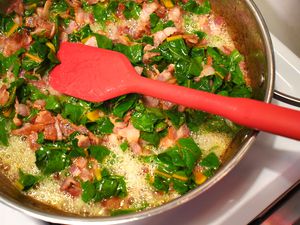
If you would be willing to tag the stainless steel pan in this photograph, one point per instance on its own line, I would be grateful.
(252, 37)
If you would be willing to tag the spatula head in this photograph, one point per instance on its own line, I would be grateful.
(92, 74)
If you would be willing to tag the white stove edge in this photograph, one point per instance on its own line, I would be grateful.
(270, 167)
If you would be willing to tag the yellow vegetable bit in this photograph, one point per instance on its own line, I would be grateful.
(94, 115)
(175, 37)
(220, 75)
(168, 3)
(51, 46)
(12, 30)
(179, 177)
(200, 178)
(97, 173)
(85, 39)
(34, 58)
(19, 185)
(162, 174)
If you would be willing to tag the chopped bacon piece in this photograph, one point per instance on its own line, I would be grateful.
(92, 2)
(4, 95)
(15, 42)
(191, 39)
(207, 71)
(130, 133)
(44, 117)
(42, 25)
(173, 135)
(16, 7)
(167, 74)
(50, 132)
(151, 101)
(86, 174)
(183, 132)
(17, 121)
(148, 55)
(22, 109)
(162, 35)
(28, 128)
(92, 41)
(175, 15)
(139, 69)
(83, 141)
(80, 162)
(82, 17)
(136, 148)
(32, 140)
(39, 104)
(72, 27)
(120, 10)
(75, 171)
(71, 186)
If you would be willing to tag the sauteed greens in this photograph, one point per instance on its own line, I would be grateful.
(129, 153)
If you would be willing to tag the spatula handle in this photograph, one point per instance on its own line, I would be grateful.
(247, 112)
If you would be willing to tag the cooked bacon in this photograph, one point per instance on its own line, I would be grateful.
(39, 104)
(147, 10)
(161, 11)
(166, 104)
(207, 71)
(42, 26)
(58, 130)
(92, 41)
(4, 95)
(74, 3)
(72, 27)
(162, 35)
(18, 122)
(120, 10)
(71, 186)
(167, 74)
(44, 12)
(44, 118)
(50, 132)
(79, 169)
(82, 17)
(74, 170)
(28, 128)
(191, 39)
(66, 127)
(175, 15)
(86, 174)
(92, 2)
(32, 141)
(80, 162)
(15, 42)
(139, 69)
(173, 135)
(148, 55)
(135, 148)
(83, 141)
(22, 109)
(130, 133)
(183, 132)
(143, 26)
(16, 7)
(150, 101)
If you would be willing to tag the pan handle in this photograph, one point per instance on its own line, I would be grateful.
(291, 100)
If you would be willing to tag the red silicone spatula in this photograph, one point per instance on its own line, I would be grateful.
(96, 75)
